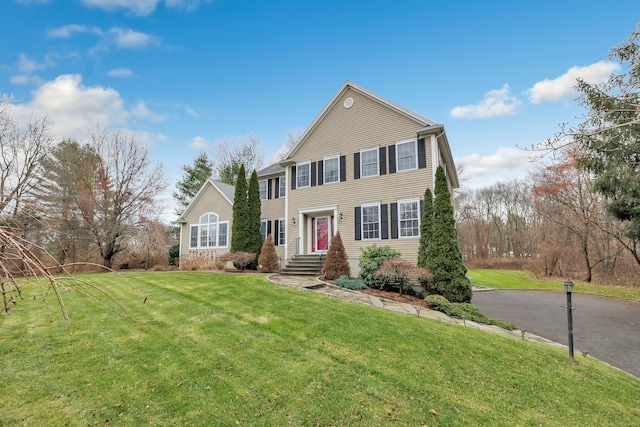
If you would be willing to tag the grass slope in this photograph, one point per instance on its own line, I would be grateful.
(518, 279)
(211, 349)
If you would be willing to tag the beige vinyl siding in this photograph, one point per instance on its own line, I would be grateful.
(367, 124)
(210, 200)
(271, 210)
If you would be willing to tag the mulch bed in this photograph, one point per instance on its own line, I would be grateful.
(395, 296)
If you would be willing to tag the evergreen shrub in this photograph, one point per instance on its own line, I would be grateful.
(370, 260)
(353, 284)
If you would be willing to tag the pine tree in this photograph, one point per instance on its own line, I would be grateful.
(444, 257)
(254, 212)
(337, 262)
(426, 225)
(269, 262)
(240, 225)
(193, 177)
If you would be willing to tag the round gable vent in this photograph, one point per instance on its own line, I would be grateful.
(348, 102)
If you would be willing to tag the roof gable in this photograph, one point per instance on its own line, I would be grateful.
(423, 121)
(227, 191)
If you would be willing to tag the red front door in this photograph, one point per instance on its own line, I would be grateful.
(323, 226)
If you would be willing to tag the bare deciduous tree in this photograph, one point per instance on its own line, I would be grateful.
(123, 190)
(22, 147)
(232, 152)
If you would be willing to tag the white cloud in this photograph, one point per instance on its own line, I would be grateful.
(141, 111)
(552, 90)
(143, 7)
(26, 80)
(199, 143)
(496, 103)
(191, 111)
(136, 7)
(503, 165)
(120, 73)
(128, 39)
(73, 108)
(27, 65)
(68, 31)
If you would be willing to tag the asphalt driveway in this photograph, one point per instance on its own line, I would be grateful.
(606, 328)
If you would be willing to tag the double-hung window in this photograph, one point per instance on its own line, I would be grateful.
(409, 218)
(369, 163)
(370, 222)
(406, 155)
(282, 187)
(209, 232)
(331, 169)
(263, 229)
(303, 177)
(263, 189)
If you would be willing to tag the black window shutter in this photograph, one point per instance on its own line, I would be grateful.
(277, 189)
(313, 174)
(383, 160)
(269, 228)
(394, 220)
(392, 159)
(320, 172)
(358, 221)
(384, 222)
(421, 208)
(293, 177)
(343, 168)
(276, 226)
(269, 184)
(356, 165)
(422, 154)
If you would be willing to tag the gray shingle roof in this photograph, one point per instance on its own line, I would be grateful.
(227, 190)
(271, 170)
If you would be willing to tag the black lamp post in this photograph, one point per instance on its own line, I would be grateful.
(568, 287)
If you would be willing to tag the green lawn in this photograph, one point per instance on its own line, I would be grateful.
(227, 350)
(517, 279)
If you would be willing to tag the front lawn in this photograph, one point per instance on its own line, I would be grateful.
(518, 279)
(227, 350)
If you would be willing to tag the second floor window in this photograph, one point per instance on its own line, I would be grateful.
(282, 187)
(369, 163)
(263, 189)
(303, 178)
(406, 155)
(331, 170)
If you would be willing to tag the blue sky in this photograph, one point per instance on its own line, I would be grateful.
(184, 73)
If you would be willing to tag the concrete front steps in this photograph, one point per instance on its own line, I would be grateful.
(304, 265)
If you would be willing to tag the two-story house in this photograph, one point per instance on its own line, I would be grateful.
(360, 168)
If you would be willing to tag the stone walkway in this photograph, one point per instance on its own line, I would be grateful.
(313, 284)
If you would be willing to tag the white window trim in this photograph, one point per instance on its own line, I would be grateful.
(298, 175)
(377, 150)
(415, 148)
(266, 228)
(282, 222)
(324, 169)
(369, 205)
(399, 202)
(266, 189)
(198, 227)
(282, 187)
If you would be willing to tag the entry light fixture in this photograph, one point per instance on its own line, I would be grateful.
(293, 220)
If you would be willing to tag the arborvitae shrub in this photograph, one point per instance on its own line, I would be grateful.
(337, 262)
(268, 261)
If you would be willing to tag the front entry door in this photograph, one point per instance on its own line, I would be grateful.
(323, 231)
